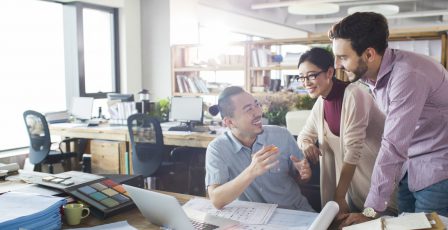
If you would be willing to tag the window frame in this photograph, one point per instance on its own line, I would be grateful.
(80, 47)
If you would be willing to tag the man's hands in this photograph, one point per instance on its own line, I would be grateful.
(303, 167)
(263, 160)
(312, 153)
(352, 218)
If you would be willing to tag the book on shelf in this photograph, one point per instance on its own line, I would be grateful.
(180, 85)
(191, 84)
(261, 57)
(255, 62)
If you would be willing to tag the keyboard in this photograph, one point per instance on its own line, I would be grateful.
(202, 226)
(179, 128)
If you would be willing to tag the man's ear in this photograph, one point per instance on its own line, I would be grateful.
(371, 54)
(227, 122)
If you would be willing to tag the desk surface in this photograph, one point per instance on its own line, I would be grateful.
(120, 133)
(132, 216)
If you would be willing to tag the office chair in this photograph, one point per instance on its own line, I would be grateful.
(150, 156)
(195, 159)
(40, 143)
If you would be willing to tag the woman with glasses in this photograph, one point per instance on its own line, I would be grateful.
(347, 125)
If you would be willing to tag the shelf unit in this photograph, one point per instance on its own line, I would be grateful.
(273, 63)
(251, 62)
(200, 70)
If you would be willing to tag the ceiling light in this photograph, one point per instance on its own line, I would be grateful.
(384, 9)
(313, 8)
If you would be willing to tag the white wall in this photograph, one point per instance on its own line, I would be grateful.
(184, 26)
(130, 46)
(156, 63)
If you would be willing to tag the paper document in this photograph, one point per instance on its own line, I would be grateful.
(292, 218)
(15, 205)
(256, 227)
(283, 219)
(242, 211)
(407, 221)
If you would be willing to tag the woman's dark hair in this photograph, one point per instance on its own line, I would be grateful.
(225, 105)
(364, 30)
(318, 57)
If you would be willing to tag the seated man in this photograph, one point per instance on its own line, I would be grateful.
(253, 162)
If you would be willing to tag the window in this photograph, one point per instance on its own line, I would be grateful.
(32, 65)
(33, 62)
(99, 64)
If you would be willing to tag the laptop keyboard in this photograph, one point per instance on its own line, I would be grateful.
(202, 226)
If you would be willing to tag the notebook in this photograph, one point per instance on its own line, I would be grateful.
(164, 210)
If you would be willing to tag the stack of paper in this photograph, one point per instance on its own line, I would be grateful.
(30, 211)
(408, 221)
(57, 117)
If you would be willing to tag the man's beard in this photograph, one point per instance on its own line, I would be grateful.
(359, 72)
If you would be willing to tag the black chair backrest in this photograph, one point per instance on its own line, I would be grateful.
(147, 144)
(39, 134)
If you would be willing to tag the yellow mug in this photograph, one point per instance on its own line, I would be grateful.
(73, 213)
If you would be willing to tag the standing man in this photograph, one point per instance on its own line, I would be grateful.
(253, 162)
(412, 90)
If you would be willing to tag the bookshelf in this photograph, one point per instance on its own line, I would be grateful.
(205, 70)
(269, 65)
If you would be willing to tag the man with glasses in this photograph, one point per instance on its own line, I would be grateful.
(251, 161)
(412, 91)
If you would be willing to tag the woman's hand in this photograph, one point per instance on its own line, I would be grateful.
(312, 153)
(343, 206)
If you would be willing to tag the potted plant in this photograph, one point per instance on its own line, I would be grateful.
(162, 109)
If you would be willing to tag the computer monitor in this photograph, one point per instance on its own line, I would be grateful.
(120, 97)
(81, 108)
(186, 109)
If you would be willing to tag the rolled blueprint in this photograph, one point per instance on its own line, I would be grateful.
(325, 217)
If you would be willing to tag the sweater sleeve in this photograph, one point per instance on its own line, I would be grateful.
(355, 121)
(308, 135)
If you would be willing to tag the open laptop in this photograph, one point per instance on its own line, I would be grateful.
(165, 210)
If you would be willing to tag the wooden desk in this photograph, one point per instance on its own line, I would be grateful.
(120, 133)
(116, 157)
(133, 216)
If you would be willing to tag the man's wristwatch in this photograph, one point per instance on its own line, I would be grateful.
(370, 212)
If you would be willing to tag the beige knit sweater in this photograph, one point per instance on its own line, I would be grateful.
(361, 130)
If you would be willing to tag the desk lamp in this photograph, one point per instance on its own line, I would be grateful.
(144, 98)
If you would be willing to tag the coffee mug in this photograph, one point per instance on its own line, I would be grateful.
(73, 213)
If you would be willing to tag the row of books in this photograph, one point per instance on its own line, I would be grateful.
(261, 57)
(191, 84)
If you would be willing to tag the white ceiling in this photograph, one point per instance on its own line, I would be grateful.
(414, 14)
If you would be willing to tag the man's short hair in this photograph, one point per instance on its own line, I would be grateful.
(225, 105)
(364, 30)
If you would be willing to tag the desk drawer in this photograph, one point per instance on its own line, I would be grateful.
(106, 156)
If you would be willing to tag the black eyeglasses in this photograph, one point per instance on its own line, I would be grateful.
(310, 77)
